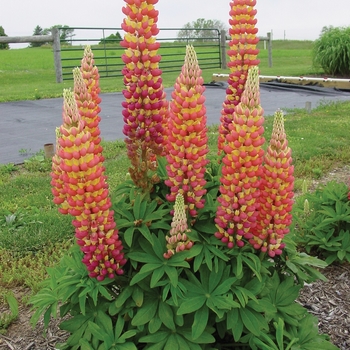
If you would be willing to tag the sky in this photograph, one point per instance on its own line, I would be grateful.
(286, 19)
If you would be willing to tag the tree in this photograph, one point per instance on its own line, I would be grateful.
(66, 33)
(3, 46)
(38, 31)
(111, 39)
(201, 30)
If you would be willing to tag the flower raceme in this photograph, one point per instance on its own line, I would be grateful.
(145, 105)
(178, 240)
(187, 136)
(243, 55)
(86, 88)
(276, 191)
(242, 167)
(86, 195)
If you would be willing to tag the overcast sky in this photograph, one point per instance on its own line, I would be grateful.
(289, 19)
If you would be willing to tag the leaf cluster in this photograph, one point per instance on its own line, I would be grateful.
(323, 227)
(332, 50)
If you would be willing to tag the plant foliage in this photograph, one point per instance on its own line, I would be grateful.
(323, 224)
(332, 50)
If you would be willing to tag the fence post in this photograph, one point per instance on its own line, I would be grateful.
(269, 45)
(223, 49)
(57, 54)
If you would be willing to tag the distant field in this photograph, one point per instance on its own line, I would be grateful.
(29, 73)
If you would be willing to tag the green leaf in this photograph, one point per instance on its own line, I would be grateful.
(172, 274)
(137, 296)
(128, 235)
(154, 338)
(144, 257)
(85, 345)
(145, 233)
(235, 323)
(97, 331)
(123, 296)
(279, 333)
(191, 304)
(250, 321)
(263, 305)
(118, 328)
(154, 324)
(205, 338)
(157, 274)
(224, 287)
(217, 252)
(200, 322)
(166, 315)
(145, 313)
(13, 304)
(136, 207)
(172, 343)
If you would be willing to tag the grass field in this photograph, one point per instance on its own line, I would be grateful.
(32, 233)
(28, 74)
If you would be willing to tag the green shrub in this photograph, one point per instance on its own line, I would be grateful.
(332, 50)
(323, 222)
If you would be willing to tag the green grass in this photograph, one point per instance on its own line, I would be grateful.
(28, 74)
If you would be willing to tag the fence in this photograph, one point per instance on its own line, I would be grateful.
(210, 49)
(108, 52)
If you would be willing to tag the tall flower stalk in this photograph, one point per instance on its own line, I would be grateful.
(276, 190)
(242, 167)
(243, 55)
(145, 106)
(86, 89)
(187, 136)
(177, 240)
(86, 194)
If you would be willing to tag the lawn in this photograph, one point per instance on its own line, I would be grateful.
(28, 74)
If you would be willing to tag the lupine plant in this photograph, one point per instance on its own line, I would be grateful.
(215, 270)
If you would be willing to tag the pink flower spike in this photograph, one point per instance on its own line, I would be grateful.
(187, 136)
(277, 184)
(177, 239)
(241, 168)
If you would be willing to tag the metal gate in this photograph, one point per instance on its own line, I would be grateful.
(107, 50)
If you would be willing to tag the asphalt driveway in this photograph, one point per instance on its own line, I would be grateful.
(25, 126)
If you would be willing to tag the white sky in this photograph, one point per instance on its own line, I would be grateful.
(290, 19)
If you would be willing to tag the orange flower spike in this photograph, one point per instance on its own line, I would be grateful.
(57, 182)
(86, 88)
(243, 55)
(91, 75)
(276, 192)
(177, 239)
(87, 195)
(242, 167)
(145, 106)
(187, 136)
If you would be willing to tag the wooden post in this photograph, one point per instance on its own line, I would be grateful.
(223, 49)
(56, 47)
(269, 48)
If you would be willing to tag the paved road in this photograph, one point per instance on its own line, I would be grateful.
(28, 125)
